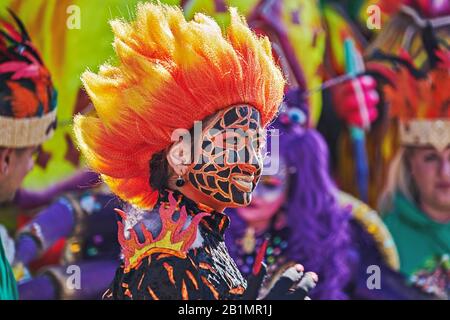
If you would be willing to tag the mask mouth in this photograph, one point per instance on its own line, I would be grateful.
(243, 182)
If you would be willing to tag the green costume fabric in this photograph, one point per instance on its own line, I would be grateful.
(418, 238)
(8, 288)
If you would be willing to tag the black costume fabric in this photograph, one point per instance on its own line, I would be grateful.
(205, 271)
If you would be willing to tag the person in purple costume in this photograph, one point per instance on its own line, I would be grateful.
(304, 217)
(84, 217)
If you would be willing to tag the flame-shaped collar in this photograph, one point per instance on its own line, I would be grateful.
(180, 219)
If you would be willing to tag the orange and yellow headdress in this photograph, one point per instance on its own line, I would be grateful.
(422, 104)
(27, 95)
(171, 73)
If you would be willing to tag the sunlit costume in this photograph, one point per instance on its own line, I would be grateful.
(172, 73)
(331, 232)
(27, 108)
(423, 116)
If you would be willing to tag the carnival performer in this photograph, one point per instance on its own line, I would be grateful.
(418, 28)
(416, 201)
(171, 74)
(27, 119)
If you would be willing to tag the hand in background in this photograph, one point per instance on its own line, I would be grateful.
(346, 100)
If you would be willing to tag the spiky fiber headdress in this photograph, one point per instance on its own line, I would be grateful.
(27, 95)
(171, 73)
(422, 104)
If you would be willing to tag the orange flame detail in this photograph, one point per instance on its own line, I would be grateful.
(171, 240)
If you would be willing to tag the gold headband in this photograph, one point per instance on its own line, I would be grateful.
(27, 132)
(435, 132)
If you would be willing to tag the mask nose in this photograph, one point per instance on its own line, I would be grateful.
(251, 159)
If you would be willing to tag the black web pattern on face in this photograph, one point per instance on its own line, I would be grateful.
(230, 146)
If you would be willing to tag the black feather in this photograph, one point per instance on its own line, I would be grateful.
(23, 31)
(431, 45)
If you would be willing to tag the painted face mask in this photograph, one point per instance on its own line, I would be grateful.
(228, 163)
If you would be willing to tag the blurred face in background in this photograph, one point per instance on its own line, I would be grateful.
(15, 164)
(430, 170)
(269, 196)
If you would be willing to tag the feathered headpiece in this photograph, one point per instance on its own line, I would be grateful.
(421, 103)
(27, 95)
(171, 73)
